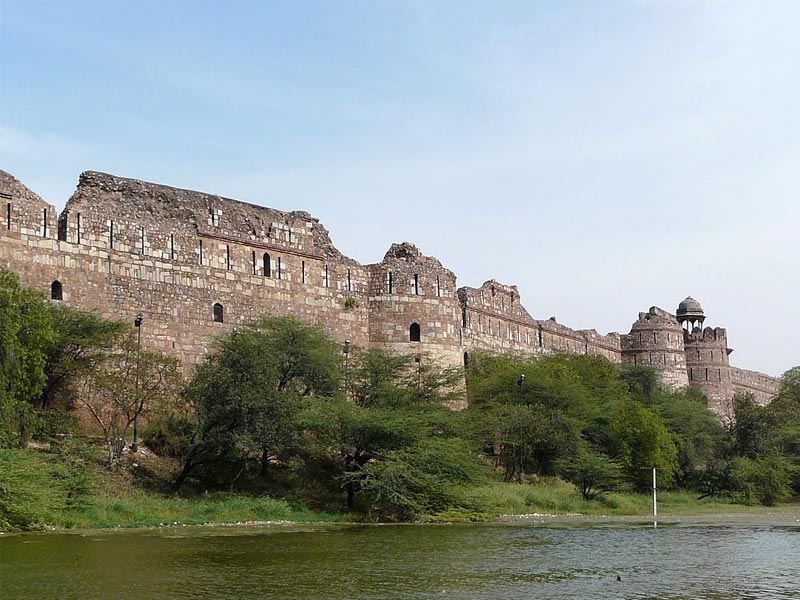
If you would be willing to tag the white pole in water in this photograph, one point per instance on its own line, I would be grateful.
(655, 506)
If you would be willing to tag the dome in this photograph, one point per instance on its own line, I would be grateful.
(690, 308)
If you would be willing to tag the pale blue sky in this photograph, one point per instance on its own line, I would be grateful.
(603, 156)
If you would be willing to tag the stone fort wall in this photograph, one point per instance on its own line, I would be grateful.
(763, 387)
(197, 265)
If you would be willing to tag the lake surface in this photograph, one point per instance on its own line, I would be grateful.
(501, 560)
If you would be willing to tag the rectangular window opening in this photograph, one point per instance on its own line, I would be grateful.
(172, 246)
(142, 249)
(228, 256)
(111, 234)
(78, 227)
(201, 252)
(389, 283)
(302, 271)
(349, 282)
(327, 282)
(280, 269)
(44, 227)
(416, 284)
(255, 272)
(62, 228)
(8, 216)
(438, 287)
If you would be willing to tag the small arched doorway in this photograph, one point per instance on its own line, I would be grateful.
(56, 290)
(219, 313)
(414, 334)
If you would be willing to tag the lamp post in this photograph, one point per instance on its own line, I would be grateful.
(346, 351)
(138, 324)
(521, 386)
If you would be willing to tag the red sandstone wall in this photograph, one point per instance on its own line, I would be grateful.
(123, 246)
(762, 386)
(493, 319)
(166, 278)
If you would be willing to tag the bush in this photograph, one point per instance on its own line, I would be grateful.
(169, 435)
(418, 480)
(592, 473)
(34, 490)
(764, 480)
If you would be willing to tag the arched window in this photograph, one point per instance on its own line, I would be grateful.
(218, 313)
(414, 332)
(56, 290)
(267, 265)
(466, 359)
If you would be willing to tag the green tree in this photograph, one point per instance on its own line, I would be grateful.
(418, 479)
(760, 462)
(592, 472)
(696, 432)
(354, 435)
(763, 480)
(784, 416)
(531, 412)
(124, 384)
(248, 391)
(395, 445)
(639, 440)
(25, 333)
(80, 342)
(750, 429)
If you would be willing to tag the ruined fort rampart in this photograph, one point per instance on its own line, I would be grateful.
(197, 264)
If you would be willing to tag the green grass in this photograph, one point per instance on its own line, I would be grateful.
(556, 497)
(146, 509)
(39, 490)
(73, 489)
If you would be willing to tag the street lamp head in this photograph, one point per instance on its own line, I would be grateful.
(347, 346)
(521, 380)
(138, 321)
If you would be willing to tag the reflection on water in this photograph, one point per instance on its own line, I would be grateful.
(417, 561)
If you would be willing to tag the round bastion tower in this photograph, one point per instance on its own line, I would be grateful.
(413, 306)
(656, 340)
(706, 356)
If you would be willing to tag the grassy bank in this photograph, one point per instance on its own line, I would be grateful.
(72, 488)
(40, 490)
(554, 496)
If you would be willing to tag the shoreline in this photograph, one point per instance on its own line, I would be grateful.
(781, 516)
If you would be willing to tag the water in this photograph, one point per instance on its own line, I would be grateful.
(518, 560)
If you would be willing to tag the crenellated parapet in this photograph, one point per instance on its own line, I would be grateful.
(763, 387)
(194, 264)
(656, 340)
(23, 212)
(494, 319)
